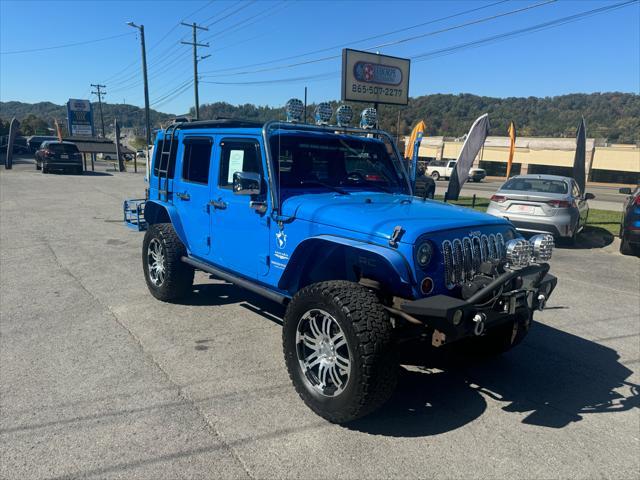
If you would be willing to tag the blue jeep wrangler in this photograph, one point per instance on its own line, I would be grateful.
(322, 219)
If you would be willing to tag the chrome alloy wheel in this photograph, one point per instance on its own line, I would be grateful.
(323, 353)
(156, 262)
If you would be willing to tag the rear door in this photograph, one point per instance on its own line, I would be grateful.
(191, 192)
(240, 233)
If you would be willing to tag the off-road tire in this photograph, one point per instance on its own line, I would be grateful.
(178, 279)
(435, 176)
(503, 338)
(368, 331)
(38, 167)
(44, 169)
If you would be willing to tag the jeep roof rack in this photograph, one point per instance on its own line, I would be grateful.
(221, 123)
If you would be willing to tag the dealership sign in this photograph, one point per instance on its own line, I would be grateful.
(80, 118)
(373, 78)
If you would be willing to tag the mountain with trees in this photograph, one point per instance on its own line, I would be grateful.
(36, 115)
(613, 116)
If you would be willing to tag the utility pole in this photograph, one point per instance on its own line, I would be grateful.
(195, 45)
(146, 90)
(99, 94)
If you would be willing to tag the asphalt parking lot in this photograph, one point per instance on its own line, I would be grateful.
(100, 380)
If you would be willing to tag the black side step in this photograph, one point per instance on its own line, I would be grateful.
(241, 282)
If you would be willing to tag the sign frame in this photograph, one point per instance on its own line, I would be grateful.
(80, 130)
(371, 91)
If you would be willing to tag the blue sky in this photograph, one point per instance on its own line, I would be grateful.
(599, 53)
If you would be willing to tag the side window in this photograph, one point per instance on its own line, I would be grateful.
(237, 155)
(196, 160)
(158, 161)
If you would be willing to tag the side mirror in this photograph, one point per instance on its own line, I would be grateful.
(625, 191)
(589, 196)
(247, 183)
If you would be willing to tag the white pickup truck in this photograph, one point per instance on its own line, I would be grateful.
(438, 169)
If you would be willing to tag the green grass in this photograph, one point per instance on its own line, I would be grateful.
(606, 219)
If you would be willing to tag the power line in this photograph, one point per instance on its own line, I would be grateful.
(343, 45)
(320, 76)
(514, 33)
(195, 46)
(245, 22)
(66, 45)
(463, 46)
(156, 44)
(99, 93)
(173, 93)
(231, 14)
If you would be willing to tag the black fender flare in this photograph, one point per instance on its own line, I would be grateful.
(317, 256)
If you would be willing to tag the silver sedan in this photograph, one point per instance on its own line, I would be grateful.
(542, 204)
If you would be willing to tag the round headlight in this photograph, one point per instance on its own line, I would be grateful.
(518, 252)
(424, 252)
(542, 246)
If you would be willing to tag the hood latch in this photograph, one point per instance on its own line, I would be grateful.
(398, 231)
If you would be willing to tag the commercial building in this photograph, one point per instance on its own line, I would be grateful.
(608, 163)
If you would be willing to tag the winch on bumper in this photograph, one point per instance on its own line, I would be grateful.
(506, 296)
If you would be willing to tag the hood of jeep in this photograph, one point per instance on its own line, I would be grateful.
(376, 214)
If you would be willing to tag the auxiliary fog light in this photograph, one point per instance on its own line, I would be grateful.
(294, 110)
(542, 246)
(368, 118)
(344, 115)
(518, 252)
(323, 113)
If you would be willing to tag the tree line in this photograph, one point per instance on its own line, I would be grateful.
(613, 116)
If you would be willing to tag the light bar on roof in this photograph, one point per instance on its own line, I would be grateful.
(368, 118)
(344, 115)
(323, 113)
(294, 109)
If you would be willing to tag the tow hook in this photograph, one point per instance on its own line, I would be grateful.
(542, 301)
(479, 320)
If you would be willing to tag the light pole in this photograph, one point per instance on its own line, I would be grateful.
(146, 90)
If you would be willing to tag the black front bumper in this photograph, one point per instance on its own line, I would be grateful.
(495, 304)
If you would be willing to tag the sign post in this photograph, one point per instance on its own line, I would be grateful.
(374, 78)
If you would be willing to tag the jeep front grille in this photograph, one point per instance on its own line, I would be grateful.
(462, 257)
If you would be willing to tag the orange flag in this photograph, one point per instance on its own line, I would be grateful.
(58, 129)
(512, 146)
(420, 127)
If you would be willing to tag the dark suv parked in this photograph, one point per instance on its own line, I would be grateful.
(630, 224)
(59, 156)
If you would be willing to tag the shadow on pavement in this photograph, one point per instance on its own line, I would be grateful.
(591, 237)
(554, 377)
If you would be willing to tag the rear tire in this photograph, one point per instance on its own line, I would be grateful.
(168, 277)
(338, 350)
(38, 167)
(435, 176)
(626, 248)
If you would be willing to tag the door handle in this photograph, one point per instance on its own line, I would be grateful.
(183, 196)
(218, 204)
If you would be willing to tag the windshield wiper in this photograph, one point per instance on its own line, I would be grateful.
(326, 185)
(381, 187)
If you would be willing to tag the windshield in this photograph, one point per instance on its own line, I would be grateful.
(536, 185)
(338, 163)
(62, 148)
